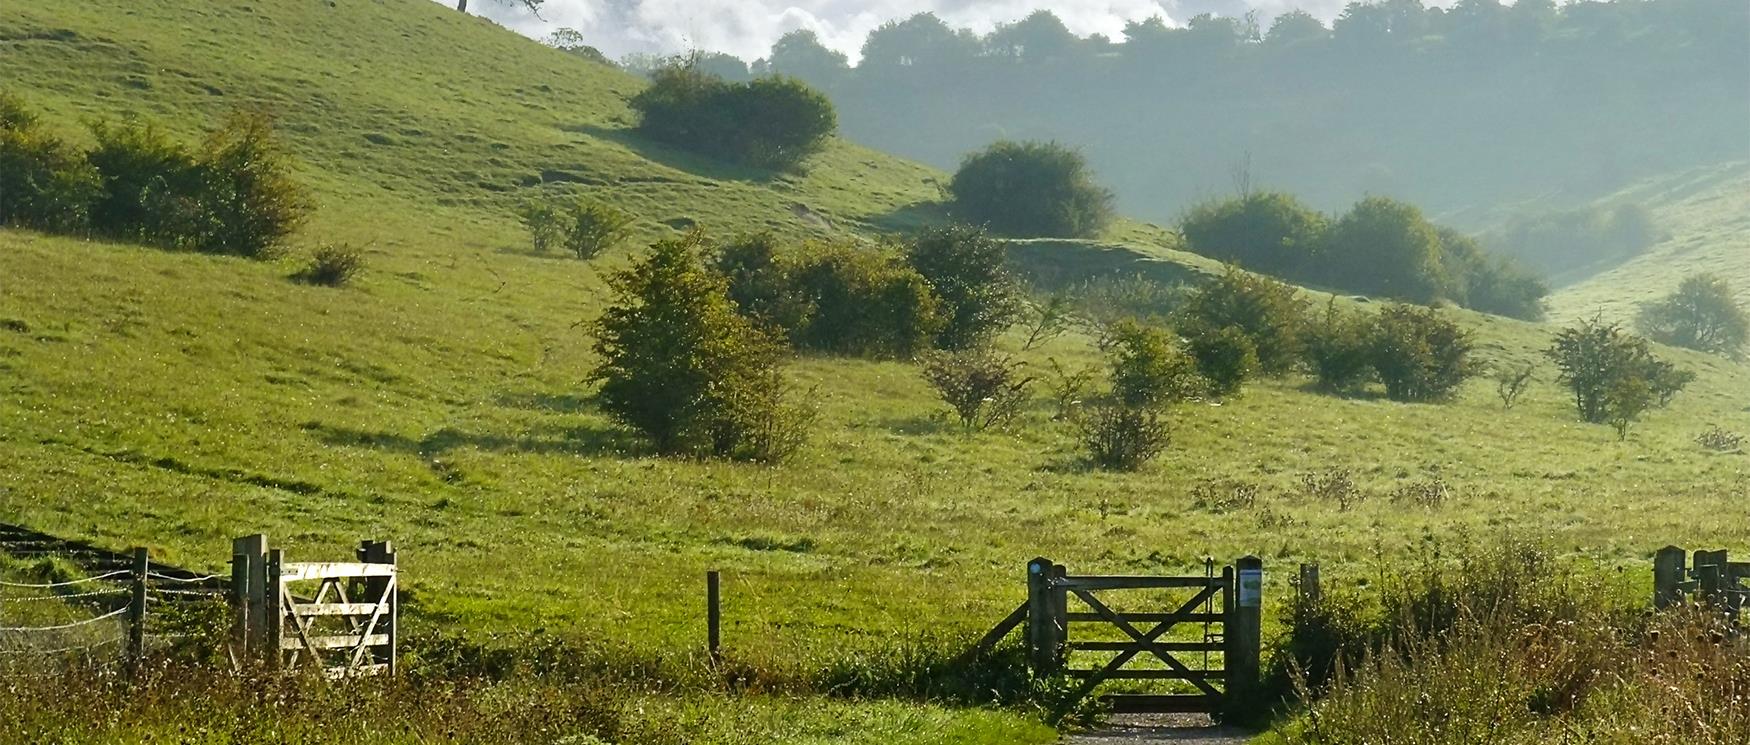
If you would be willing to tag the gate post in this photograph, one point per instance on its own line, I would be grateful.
(274, 614)
(381, 590)
(1041, 646)
(1244, 630)
(249, 581)
(137, 610)
(1668, 576)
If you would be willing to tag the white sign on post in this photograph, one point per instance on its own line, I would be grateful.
(1251, 582)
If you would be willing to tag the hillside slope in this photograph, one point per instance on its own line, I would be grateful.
(1706, 215)
(177, 400)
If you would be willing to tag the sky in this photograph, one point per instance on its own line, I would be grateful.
(747, 28)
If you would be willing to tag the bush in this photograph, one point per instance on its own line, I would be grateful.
(1488, 284)
(1268, 232)
(766, 122)
(965, 270)
(760, 283)
(1563, 243)
(1701, 315)
(1269, 313)
(1225, 357)
(545, 223)
(1613, 375)
(1383, 247)
(333, 265)
(863, 302)
(594, 227)
(681, 367)
(1124, 437)
(1108, 300)
(1337, 350)
(44, 183)
(1149, 366)
(1512, 381)
(984, 389)
(1419, 354)
(248, 200)
(1031, 190)
(152, 186)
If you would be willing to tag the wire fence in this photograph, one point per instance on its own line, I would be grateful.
(103, 619)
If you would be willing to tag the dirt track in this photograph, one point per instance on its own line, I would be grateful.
(1173, 729)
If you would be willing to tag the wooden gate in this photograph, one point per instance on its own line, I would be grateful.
(1070, 619)
(339, 617)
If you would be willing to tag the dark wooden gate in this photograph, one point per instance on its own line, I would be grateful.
(1198, 634)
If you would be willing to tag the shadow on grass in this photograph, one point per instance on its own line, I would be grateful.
(919, 425)
(1313, 387)
(578, 441)
(678, 158)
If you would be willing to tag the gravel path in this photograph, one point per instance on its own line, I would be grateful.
(1160, 729)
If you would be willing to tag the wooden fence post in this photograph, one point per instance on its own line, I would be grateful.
(1310, 592)
(714, 616)
(1059, 619)
(1668, 576)
(240, 607)
(253, 549)
(1039, 616)
(380, 590)
(273, 617)
(137, 608)
(1244, 629)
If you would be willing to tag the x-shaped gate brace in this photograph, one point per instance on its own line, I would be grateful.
(1147, 643)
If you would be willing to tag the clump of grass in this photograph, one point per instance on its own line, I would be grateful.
(1224, 496)
(1430, 493)
(1720, 440)
(1332, 485)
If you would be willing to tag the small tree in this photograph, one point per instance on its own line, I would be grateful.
(862, 302)
(1511, 381)
(1270, 314)
(1032, 190)
(1613, 375)
(1262, 231)
(984, 389)
(1337, 350)
(249, 202)
(1702, 315)
(546, 225)
(965, 269)
(1225, 357)
(681, 367)
(1419, 354)
(1149, 366)
(1383, 247)
(594, 227)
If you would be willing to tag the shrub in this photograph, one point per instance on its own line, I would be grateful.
(248, 200)
(863, 302)
(681, 367)
(1268, 231)
(594, 227)
(1222, 497)
(1031, 189)
(965, 270)
(1701, 315)
(152, 186)
(1488, 284)
(333, 265)
(1337, 350)
(1051, 319)
(1332, 485)
(760, 283)
(1069, 388)
(1613, 375)
(984, 389)
(1108, 300)
(766, 122)
(1430, 493)
(1269, 313)
(1124, 437)
(1225, 357)
(44, 183)
(1512, 381)
(1721, 440)
(1149, 366)
(1383, 247)
(546, 225)
(1558, 243)
(1418, 354)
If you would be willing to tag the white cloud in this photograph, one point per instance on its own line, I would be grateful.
(747, 28)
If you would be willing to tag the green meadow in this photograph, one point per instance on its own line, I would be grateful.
(176, 400)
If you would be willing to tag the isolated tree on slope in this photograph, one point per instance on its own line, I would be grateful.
(1700, 315)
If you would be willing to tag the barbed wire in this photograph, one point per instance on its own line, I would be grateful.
(73, 625)
(188, 580)
(68, 596)
(190, 591)
(68, 583)
(60, 650)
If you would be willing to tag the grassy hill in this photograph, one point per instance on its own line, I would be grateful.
(177, 400)
(1706, 214)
